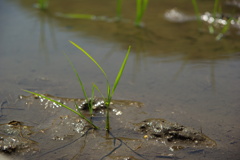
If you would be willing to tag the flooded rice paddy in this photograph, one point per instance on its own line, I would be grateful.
(178, 97)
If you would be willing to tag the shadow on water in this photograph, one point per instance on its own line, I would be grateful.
(180, 73)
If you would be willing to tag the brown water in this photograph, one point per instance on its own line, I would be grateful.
(181, 74)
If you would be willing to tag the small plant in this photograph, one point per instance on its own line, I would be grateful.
(119, 9)
(141, 6)
(42, 4)
(196, 10)
(90, 101)
(110, 90)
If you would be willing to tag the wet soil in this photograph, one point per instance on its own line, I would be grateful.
(178, 77)
(61, 129)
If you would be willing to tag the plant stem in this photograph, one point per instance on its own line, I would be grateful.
(119, 9)
(141, 6)
(195, 6)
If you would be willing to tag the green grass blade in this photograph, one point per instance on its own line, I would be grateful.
(138, 11)
(224, 29)
(96, 87)
(119, 9)
(195, 6)
(77, 16)
(90, 106)
(120, 71)
(52, 100)
(89, 56)
(215, 8)
(78, 77)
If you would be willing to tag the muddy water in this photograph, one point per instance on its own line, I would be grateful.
(178, 70)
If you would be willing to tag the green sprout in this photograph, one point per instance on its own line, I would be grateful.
(198, 14)
(141, 6)
(119, 9)
(42, 4)
(110, 90)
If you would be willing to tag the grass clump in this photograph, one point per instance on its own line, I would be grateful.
(110, 90)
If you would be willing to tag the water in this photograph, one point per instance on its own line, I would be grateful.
(178, 70)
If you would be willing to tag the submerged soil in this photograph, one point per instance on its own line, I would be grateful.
(178, 97)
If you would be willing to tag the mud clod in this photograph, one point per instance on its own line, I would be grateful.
(168, 132)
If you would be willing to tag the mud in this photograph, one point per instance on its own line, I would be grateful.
(16, 138)
(173, 134)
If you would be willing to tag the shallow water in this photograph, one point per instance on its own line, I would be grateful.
(181, 74)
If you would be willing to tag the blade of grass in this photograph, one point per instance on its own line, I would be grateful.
(77, 16)
(52, 100)
(216, 8)
(78, 77)
(91, 101)
(224, 29)
(89, 56)
(96, 87)
(141, 6)
(195, 6)
(120, 72)
(114, 88)
(119, 9)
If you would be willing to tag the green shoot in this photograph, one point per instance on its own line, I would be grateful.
(216, 8)
(43, 4)
(96, 87)
(89, 56)
(141, 6)
(119, 9)
(81, 84)
(120, 72)
(110, 92)
(224, 30)
(60, 104)
(77, 16)
(91, 100)
(198, 14)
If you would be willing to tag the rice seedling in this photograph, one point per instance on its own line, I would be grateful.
(141, 6)
(90, 101)
(196, 10)
(110, 90)
(119, 9)
(224, 29)
(216, 9)
(42, 4)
